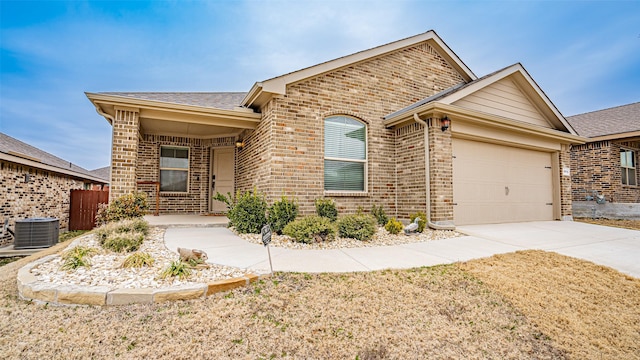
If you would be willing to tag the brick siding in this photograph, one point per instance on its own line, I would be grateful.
(45, 194)
(596, 166)
(291, 132)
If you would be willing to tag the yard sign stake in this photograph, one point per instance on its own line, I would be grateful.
(266, 239)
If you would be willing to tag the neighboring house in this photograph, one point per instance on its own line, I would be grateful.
(34, 183)
(102, 173)
(607, 165)
(406, 125)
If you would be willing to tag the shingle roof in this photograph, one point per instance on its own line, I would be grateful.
(15, 147)
(218, 100)
(102, 173)
(616, 120)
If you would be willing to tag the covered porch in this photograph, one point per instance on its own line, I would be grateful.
(179, 148)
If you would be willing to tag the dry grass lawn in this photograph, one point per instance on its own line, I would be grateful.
(590, 311)
(627, 224)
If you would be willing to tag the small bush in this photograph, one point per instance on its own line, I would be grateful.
(281, 213)
(77, 257)
(326, 208)
(123, 242)
(394, 226)
(177, 269)
(422, 222)
(359, 226)
(228, 199)
(311, 229)
(123, 226)
(138, 260)
(128, 206)
(248, 214)
(380, 215)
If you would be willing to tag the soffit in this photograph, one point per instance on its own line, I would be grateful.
(157, 117)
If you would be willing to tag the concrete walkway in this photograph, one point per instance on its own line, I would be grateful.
(617, 248)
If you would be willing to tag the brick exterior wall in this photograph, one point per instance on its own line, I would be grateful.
(46, 194)
(410, 170)
(565, 183)
(124, 152)
(196, 200)
(441, 171)
(293, 125)
(596, 166)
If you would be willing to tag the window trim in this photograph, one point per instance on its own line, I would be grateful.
(364, 161)
(188, 169)
(628, 169)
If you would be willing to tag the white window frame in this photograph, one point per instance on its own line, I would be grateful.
(364, 161)
(629, 170)
(187, 170)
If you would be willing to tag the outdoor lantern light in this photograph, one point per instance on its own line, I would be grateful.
(239, 144)
(445, 123)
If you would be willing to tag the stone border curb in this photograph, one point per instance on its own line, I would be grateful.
(29, 288)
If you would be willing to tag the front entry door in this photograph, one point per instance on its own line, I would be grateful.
(222, 177)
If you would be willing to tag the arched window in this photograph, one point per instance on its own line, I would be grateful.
(345, 154)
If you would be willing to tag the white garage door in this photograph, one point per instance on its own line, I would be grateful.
(496, 183)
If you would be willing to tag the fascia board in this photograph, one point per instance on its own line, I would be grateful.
(619, 136)
(43, 166)
(171, 109)
(490, 120)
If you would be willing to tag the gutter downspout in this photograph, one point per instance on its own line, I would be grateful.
(104, 114)
(427, 169)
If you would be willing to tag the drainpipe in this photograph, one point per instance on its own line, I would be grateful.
(427, 169)
(102, 113)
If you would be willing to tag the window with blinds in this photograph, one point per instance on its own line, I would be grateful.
(174, 169)
(628, 164)
(345, 154)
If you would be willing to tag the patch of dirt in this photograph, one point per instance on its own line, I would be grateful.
(627, 224)
(590, 311)
(437, 313)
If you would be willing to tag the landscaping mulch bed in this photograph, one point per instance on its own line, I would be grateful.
(627, 224)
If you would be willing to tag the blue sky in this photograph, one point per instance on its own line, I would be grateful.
(585, 55)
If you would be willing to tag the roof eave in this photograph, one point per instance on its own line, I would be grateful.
(43, 166)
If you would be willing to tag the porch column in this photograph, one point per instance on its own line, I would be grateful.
(124, 151)
(440, 174)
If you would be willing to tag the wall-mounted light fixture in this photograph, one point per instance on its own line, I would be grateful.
(445, 122)
(239, 144)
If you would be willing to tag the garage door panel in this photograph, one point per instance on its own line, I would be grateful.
(497, 183)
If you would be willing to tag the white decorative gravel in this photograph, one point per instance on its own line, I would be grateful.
(106, 268)
(381, 238)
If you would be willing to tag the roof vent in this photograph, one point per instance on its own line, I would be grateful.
(36, 233)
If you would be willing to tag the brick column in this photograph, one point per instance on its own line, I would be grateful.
(565, 184)
(124, 151)
(441, 174)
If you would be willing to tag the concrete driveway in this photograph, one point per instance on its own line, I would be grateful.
(613, 247)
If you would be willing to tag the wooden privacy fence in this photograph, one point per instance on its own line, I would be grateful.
(84, 207)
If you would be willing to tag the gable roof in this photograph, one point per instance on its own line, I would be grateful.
(520, 77)
(16, 151)
(262, 91)
(621, 120)
(218, 100)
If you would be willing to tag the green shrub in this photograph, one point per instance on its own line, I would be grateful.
(248, 214)
(123, 242)
(176, 269)
(133, 205)
(394, 226)
(359, 226)
(311, 229)
(281, 213)
(77, 257)
(380, 215)
(422, 222)
(228, 199)
(138, 260)
(326, 208)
